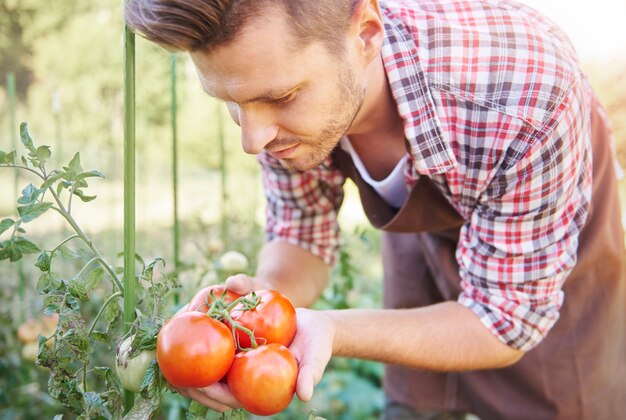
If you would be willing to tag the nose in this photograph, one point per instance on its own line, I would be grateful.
(257, 128)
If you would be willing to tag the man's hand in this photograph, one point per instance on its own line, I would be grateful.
(217, 396)
(312, 347)
(244, 284)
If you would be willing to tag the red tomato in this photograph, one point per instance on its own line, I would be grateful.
(263, 380)
(272, 321)
(194, 350)
(198, 303)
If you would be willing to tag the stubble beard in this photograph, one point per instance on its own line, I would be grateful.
(344, 111)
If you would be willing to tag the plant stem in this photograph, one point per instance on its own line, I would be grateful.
(63, 242)
(26, 168)
(80, 273)
(101, 311)
(236, 326)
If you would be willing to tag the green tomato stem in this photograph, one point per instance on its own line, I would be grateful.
(101, 311)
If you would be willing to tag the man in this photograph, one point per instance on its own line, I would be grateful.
(480, 152)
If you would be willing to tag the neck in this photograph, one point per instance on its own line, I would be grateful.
(378, 117)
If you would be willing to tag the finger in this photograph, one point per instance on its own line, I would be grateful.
(198, 396)
(240, 283)
(305, 384)
(216, 396)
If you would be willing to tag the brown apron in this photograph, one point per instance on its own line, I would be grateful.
(578, 371)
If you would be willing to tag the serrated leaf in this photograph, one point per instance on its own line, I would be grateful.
(30, 194)
(51, 180)
(27, 141)
(25, 246)
(7, 158)
(83, 197)
(6, 224)
(44, 284)
(93, 401)
(32, 211)
(73, 168)
(151, 374)
(77, 289)
(43, 261)
(142, 410)
(100, 336)
(68, 253)
(90, 174)
(43, 153)
(93, 278)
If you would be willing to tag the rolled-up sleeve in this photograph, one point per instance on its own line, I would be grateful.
(520, 244)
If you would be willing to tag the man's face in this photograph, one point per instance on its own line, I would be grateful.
(294, 102)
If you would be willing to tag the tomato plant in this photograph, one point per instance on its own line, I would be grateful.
(194, 350)
(263, 380)
(272, 320)
(66, 339)
(208, 295)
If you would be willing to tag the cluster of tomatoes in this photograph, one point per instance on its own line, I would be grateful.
(238, 339)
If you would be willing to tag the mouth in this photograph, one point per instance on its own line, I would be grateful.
(284, 153)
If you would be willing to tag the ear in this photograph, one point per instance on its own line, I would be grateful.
(367, 29)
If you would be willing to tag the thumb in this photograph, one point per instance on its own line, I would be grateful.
(240, 283)
(306, 382)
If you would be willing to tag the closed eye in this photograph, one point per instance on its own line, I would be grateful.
(284, 99)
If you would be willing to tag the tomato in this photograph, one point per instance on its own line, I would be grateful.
(131, 371)
(30, 351)
(198, 303)
(234, 262)
(28, 331)
(272, 321)
(263, 380)
(194, 350)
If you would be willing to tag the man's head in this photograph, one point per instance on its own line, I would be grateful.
(192, 25)
(293, 73)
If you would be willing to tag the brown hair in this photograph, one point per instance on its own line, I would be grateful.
(191, 25)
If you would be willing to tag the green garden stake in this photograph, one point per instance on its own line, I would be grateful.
(175, 171)
(21, 275)
(129, 188)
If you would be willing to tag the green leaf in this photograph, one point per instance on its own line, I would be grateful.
(83, 197)
(145, 339)
(150, 375)
(90, 174)
(93, 279)
(6, 224)
(43, 261)
(30, 194)
(142, 410)
(7, 158)
(77, 289)
(27, 141)
(68, 253)
(44, 284)
(43, 153)
(51, 180)
(32, 211)
(73, 168)
(25, 246)
(100, 336)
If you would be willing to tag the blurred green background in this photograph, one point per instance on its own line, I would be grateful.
(67, 60)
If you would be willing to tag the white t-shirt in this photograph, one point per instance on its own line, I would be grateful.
(392, 189)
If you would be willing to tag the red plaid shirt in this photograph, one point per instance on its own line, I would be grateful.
(495, 109)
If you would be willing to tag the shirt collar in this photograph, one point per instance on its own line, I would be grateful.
(429, 146)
